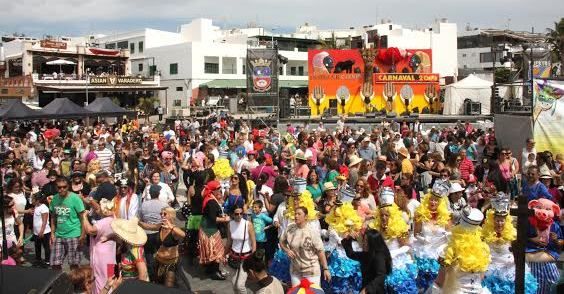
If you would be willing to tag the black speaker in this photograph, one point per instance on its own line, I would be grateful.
(140, 287)
(17, 279)
(284, 107)
(333, 107)
(414, 114)
(391, 114)
(472, 108)
(371, 115)
(284, 103)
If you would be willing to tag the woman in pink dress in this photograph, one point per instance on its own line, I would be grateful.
(102, 249)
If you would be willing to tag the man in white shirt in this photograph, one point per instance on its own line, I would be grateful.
(31, 136)
(169, 133)
(39, 160)
(105, 156)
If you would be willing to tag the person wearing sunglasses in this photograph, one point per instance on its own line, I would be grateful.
(66, 211)
(241, 243)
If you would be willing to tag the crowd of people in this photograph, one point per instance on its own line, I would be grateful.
(398, 208)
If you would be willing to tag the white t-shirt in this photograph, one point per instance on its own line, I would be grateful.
(38, 222)
(169, 134)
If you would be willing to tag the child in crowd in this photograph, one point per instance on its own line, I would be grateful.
(260, 221)
(531, 160)
(41, 229)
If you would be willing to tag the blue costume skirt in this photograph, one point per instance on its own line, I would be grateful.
(345, 274)
(498, 283)
(427, 272)
(280, 266)
(402, 280)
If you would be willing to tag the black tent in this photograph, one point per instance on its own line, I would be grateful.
(16, 110)
(65, 108)
(104, 106)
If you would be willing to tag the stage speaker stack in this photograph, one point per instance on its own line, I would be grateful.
(333, 107)
(34, 280)
(472, 108)
(284, 103)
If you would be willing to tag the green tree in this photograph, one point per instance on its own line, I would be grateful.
(555, 37)
(147, 106)
(502, 75)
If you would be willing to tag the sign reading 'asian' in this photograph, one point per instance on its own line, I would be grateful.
(115, 80)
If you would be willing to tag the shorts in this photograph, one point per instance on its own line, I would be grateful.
(65, 247)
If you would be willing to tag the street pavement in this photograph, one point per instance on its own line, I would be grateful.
(188, 271)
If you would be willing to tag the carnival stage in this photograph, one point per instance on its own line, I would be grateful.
(271, 119)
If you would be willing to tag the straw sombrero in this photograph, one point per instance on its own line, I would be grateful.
(129, 231)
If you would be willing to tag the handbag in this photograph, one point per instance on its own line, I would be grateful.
(235, 261)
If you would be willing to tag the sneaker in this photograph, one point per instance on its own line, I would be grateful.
(218, 277)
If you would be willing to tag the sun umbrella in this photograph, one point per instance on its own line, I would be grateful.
(60, 63)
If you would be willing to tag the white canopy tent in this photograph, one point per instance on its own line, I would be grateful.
(471, 87)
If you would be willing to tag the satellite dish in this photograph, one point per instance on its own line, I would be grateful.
(343, 92)
(406, 92)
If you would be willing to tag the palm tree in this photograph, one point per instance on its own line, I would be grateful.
(147, 106)
(555, 37)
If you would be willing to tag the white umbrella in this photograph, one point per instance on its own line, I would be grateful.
(60, 63)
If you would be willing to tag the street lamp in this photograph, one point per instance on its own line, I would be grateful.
(87, 82)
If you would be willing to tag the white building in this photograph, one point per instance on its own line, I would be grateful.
(40, 70)
(202, 59)
(476, 49)
(441, 37)
(201, 54)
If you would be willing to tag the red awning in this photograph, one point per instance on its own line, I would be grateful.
(99, 51)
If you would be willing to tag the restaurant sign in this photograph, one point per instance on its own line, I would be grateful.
(53, 44)
(114, 80)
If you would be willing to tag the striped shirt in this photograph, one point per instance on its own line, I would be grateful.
(466, 168)
(105, 157)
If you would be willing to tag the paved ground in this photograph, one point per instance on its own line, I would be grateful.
(189, 271)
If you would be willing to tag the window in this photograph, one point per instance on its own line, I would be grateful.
(211, 68)
(244, 69)
(293, 71)
(179, 89)
(177, 102)
(123, 45)
(140, 65)
(280, 71)
(487, 57)
(140, 46)
(173, 68)
(132, 48)
(152, 70)
(111, 46)
(463, 54)
(300, 70)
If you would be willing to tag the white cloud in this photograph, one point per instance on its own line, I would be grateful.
(94, 14)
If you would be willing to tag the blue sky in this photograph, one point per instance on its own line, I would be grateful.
(80, 17)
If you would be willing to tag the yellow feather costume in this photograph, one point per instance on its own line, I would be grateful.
(344, 219)
(467, 250)
(305, 200)
(423, 214)
(397, 227)
(489, 235)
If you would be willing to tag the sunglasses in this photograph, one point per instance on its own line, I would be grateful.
(62, 187)
(237, 213)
